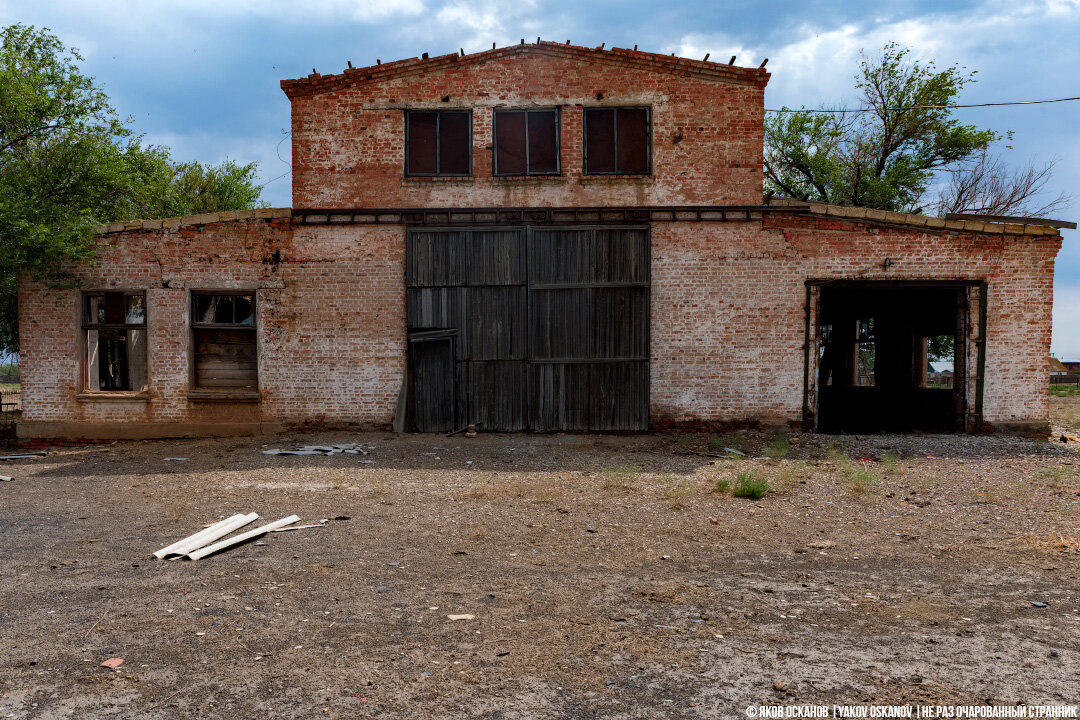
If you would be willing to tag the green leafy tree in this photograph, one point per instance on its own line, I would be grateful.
(885, 154)
(69, 162)
(191, 187)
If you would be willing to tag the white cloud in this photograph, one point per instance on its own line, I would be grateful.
(1066, 342)
(819, 63)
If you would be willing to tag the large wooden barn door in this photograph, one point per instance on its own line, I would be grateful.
(589, 329)
(550, 327)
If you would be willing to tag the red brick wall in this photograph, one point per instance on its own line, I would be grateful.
(349, 143)
(331, 324)
(728, 310)
(727, 318)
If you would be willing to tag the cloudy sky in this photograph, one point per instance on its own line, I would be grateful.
(201, 76)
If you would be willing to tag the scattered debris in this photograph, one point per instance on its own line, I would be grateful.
(461, 617)
(1038, 604)
(176, 459)
(1069, 438)
(469, 430)
(299, 527)
(261, 530)
(207, 535)
(6, 478)
(95, 624)
(24, 456)
(729, 451)
(348, 449)
(113, 663)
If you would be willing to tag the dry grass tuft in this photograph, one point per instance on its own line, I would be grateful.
(1069, 544)
(623, 477)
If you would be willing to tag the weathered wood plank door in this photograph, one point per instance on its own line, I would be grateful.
(552, 325)
(589, 329)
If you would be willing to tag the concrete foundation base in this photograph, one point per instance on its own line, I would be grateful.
(29, 431)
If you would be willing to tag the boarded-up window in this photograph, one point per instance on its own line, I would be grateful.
(527, 142)
(438, 142)
(223, 327)
(114, 330)
(617, 141)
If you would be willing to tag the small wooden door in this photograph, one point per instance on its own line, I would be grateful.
(431, 381)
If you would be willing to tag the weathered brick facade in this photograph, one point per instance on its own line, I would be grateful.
(349, 135)
(729, 301)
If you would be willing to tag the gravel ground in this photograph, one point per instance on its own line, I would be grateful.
(605, 575)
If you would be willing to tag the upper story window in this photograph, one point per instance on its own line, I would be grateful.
(527, 142)
(438, 143)
(114, 335)
(617, 141)
(225, 354)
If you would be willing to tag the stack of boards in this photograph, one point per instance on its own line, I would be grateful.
(208, 541)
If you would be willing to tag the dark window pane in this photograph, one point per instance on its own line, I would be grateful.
(95, 309)
(114, 308)
(510, 143)
(112, 359)
(421, 134)
(204, 308)
(224, 313)
(543, 142)
(454, 146)
(599, 140)
(633, 140)
(136, 310)
(245, 313)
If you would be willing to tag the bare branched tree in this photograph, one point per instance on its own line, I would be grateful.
(986, 186)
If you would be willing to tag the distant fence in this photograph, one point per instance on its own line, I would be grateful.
(9, 401)
(1065, 380)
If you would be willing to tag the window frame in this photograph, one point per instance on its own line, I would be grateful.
(438, 142)
(615, 139)
(86, 326)
(495, 142)
(195, 325)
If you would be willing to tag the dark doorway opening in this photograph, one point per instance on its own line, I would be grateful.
(892, 357)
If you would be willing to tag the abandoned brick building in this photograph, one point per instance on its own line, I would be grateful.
(541, 237)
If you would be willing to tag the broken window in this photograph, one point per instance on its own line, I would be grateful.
(527, 142)
(865, 353)
(225, 351)
(616, 141)
(438, 143)
(114, 329)
(934, 358)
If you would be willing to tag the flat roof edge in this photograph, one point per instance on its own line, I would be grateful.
(200, 219)
(989, 226)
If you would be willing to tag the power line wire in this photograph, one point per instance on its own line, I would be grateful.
(929, 107)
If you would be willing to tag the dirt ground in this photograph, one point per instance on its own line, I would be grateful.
(606, 576)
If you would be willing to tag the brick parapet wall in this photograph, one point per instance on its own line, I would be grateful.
(349, 140)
